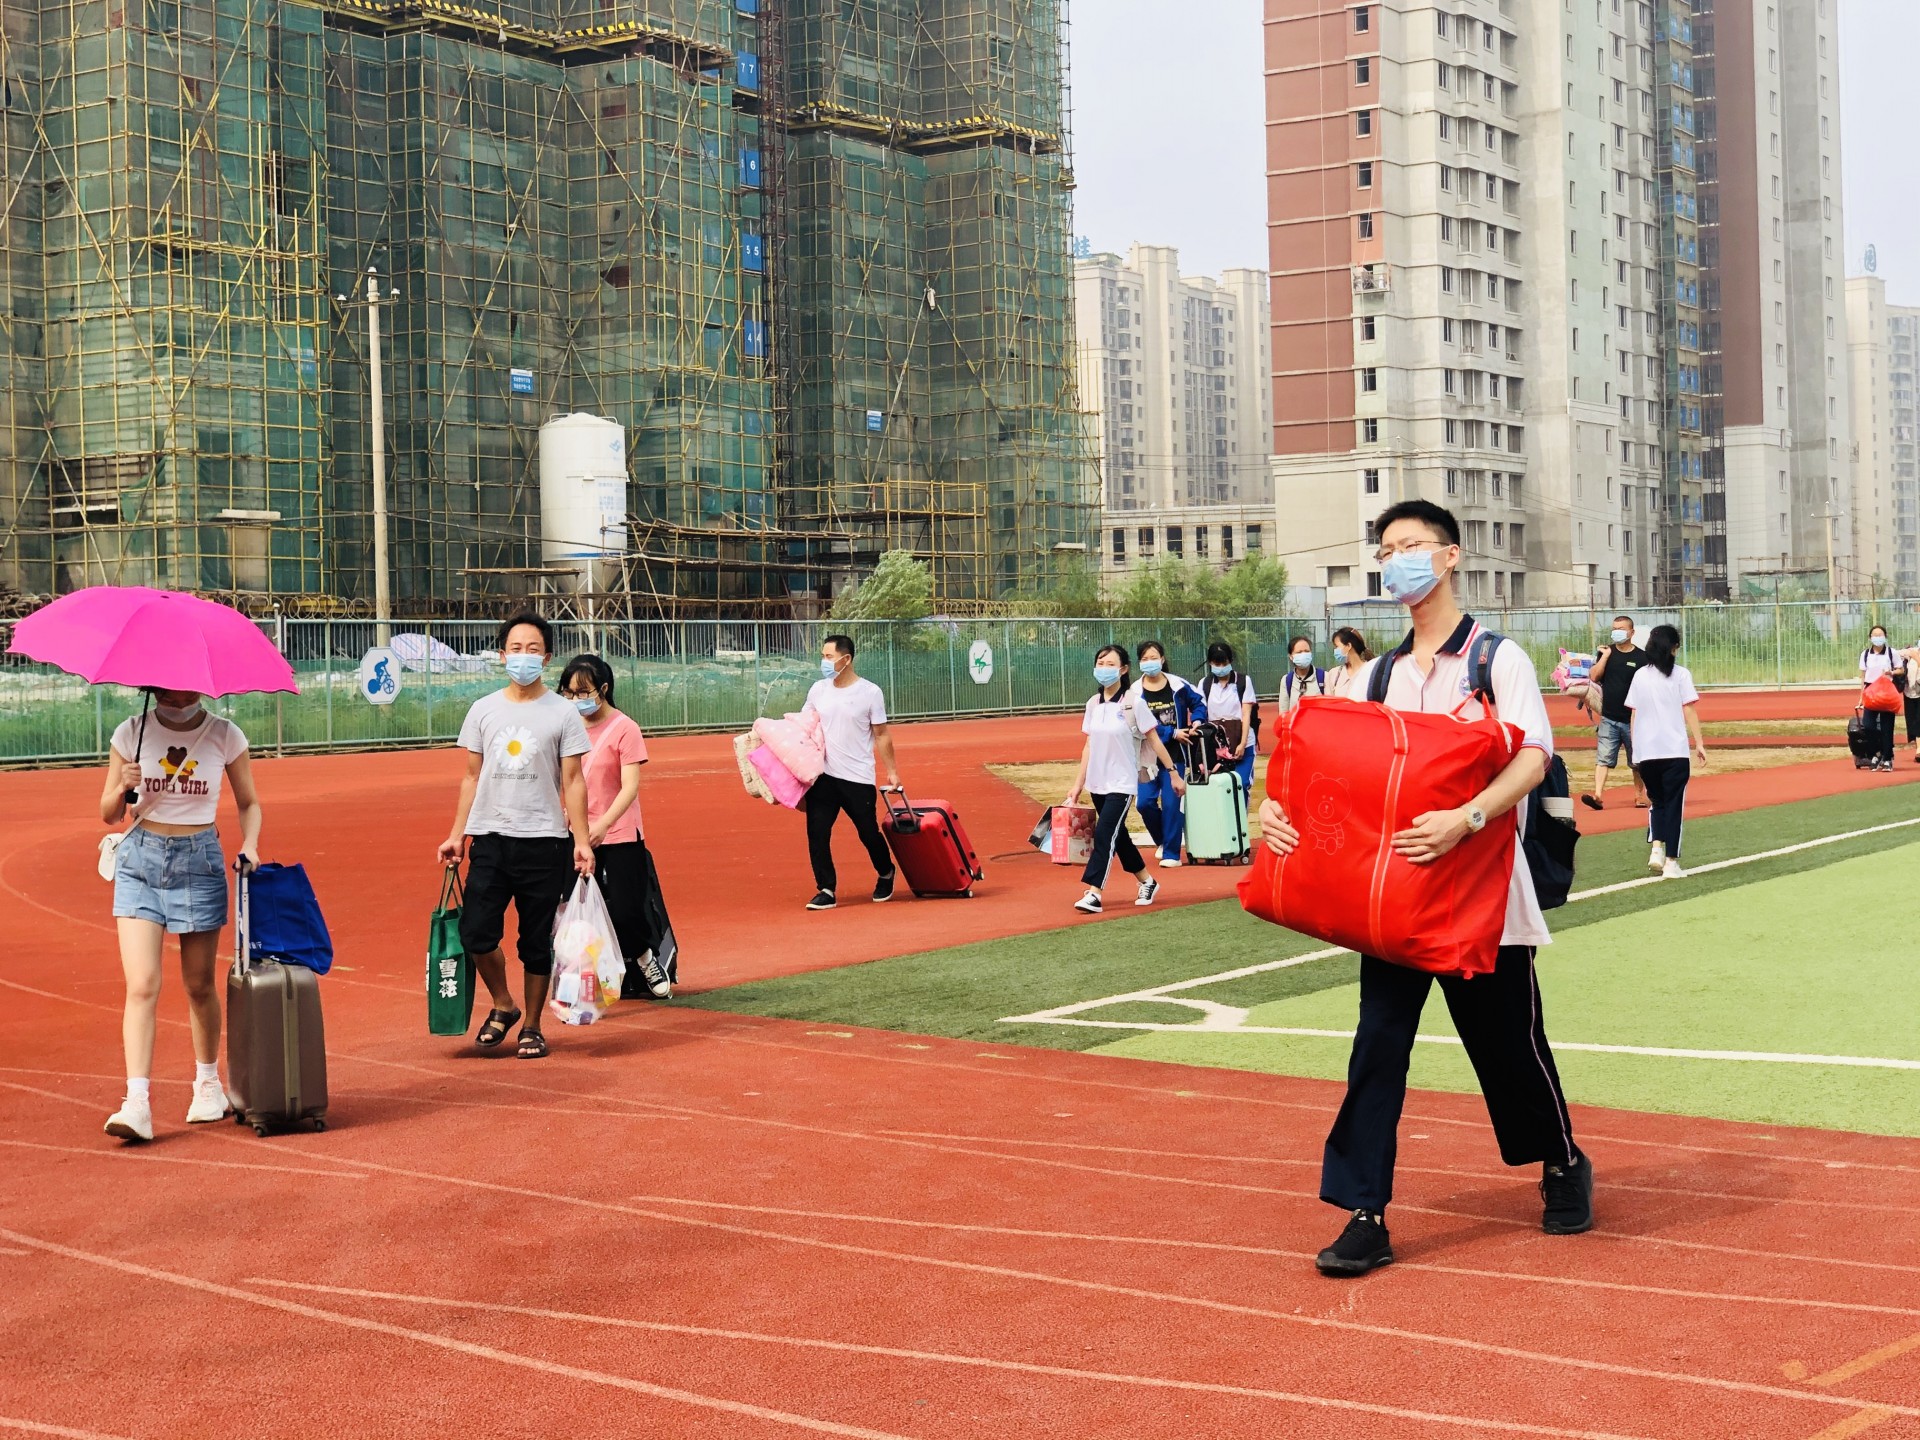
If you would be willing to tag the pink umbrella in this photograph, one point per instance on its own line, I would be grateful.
(153, 639)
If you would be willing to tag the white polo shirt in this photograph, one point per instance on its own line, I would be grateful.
(1516, 695)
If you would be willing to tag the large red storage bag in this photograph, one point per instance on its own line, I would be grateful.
(1351, 775)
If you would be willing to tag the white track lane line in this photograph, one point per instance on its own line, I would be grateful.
(35, 1427)
(445, 1342)
(547, 1198)
(980, 1362)
(121, 1154)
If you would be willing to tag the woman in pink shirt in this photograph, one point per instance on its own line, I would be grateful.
(622, 865)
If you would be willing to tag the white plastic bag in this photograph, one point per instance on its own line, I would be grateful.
(588, 967)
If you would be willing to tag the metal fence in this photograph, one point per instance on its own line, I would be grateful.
(720, 675)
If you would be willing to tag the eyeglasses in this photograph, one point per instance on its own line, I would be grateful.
(1407, 547)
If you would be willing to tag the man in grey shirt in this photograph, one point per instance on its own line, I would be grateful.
(522, 822)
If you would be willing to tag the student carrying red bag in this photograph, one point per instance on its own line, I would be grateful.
(1354, 775)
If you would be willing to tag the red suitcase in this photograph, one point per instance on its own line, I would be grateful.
(930, 846)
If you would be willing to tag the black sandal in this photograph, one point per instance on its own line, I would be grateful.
(533, 1045)
(496, 1027)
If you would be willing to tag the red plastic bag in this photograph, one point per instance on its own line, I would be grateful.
(1351, 775)
(1884, 695)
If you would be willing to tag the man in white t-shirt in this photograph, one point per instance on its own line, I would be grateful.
(1498, 1015)
(853, 717)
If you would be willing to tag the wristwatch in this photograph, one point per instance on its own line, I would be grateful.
(1476, 819)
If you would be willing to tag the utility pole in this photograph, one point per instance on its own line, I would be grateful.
(376, 415)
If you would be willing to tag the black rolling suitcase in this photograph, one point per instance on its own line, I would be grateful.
(1860, 739)
(276, 1041)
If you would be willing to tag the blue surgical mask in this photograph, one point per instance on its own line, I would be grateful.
(1303, 659)
(1620, 637)
(1221, 671)
(1105, 675)
(586, 704)
(1879, 642)
(829, 668)
(1340, 654)
(524, 669)
(1151, 667)
(1408, 576)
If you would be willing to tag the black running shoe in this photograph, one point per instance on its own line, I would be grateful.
(823, 901)
(883, 888)
(1362, 1247)
(1566, 1191)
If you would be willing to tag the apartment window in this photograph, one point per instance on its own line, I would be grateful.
(1452, 431)
(1446, 227)
(1369, 380)
(1253, 538)
(1363, 122)
(1119, 547)
(1200, 542)
(1493, 187)
(1499, 535)
(1361, 20)
(1446, 330)
(1370, 481)
(1441, 16)
(1449, 381)
(1366, 226)
(1488, 87)
(1446, 127)
(1446, 183)
(1493, 287)
(1446, 280)
(1369, 329)
(1363, 175)
(1176, 541)
(1446, 83)
(1373, 585)
(1145, 538)
(1370, 431)
(1363, 71)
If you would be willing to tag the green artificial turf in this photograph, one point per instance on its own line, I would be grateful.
(1799, 953)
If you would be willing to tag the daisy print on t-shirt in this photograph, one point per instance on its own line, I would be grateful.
(515, 747)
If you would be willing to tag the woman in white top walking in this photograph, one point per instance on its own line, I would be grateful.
(1233, 705)
(1880, 658)
(1350, 657)
(169, 878)
(1119, 725)
(1666, 742)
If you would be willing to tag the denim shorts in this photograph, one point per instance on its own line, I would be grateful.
(179, 882)
(1613, 735)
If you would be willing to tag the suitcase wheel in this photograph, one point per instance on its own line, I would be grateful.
(319, 1123)
(239, 1117)
(260, 1130)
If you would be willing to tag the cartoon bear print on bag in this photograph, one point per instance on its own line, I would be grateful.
(1328, 804)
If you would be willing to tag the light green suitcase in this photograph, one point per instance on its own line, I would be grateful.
(1216, 810)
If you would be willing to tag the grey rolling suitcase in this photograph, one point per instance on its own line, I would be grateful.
(276, 1041)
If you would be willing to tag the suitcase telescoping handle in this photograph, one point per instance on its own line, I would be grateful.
(899, 817)
(242, 914)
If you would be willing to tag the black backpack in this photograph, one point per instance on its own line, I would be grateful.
(1551, 833)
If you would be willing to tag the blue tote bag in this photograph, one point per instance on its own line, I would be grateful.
(284, 922)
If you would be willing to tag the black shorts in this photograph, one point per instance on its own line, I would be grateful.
(536, 874)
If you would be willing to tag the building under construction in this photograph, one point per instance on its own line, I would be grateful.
(811, 255)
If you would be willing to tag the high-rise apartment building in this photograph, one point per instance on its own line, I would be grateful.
(1777, 436)
(1883, 360)
(1495, 238)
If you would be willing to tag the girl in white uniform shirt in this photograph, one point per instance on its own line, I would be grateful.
(1232, 704)
(1119, 726)
(169, 878)
(1880, 658)
(1666, 740)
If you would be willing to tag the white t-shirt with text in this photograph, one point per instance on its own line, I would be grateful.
(848, 714)
(180, 770)
(1659, 706)
(1114, 730)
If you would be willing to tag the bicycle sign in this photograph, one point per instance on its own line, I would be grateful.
(379, 676)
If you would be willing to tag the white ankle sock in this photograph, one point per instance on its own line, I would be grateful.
(206, 1072)
(138, 1087)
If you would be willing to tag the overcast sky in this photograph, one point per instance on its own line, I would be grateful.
(1169, 148)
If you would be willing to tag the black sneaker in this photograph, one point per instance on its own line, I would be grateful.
(1362, 1247)
(883, 888)
(1566, 1191)
(658, 985)
(1593, 802)
(823, 901)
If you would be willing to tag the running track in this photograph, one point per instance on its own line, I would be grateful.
(700, 1224)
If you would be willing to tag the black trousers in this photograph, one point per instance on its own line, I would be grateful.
(1499, 1020)
(829, 796)
(1110, 838)
(1880, 727)
(1913, 721)
(1667, 794)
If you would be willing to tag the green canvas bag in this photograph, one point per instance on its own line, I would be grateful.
(449, 971)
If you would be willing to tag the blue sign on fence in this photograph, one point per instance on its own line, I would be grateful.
(520, 380)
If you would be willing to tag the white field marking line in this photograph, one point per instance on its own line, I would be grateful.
(34, 1427)
(740, 1034)
(1228, 1019)
(445, 1342)
(135, 1155)
(981, 1362)
(1164, 1242)
(1403, 1205)
(1005, 1272)
(1452, 1173)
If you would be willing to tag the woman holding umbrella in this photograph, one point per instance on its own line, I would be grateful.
(166, 771)
(169, 878)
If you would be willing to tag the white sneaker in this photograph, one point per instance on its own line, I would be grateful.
(1089, 903)
(1149, 887)
(1169, 862)
(1672, 871)
(209, 1102)
(132, 1121)
(1658, 859)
